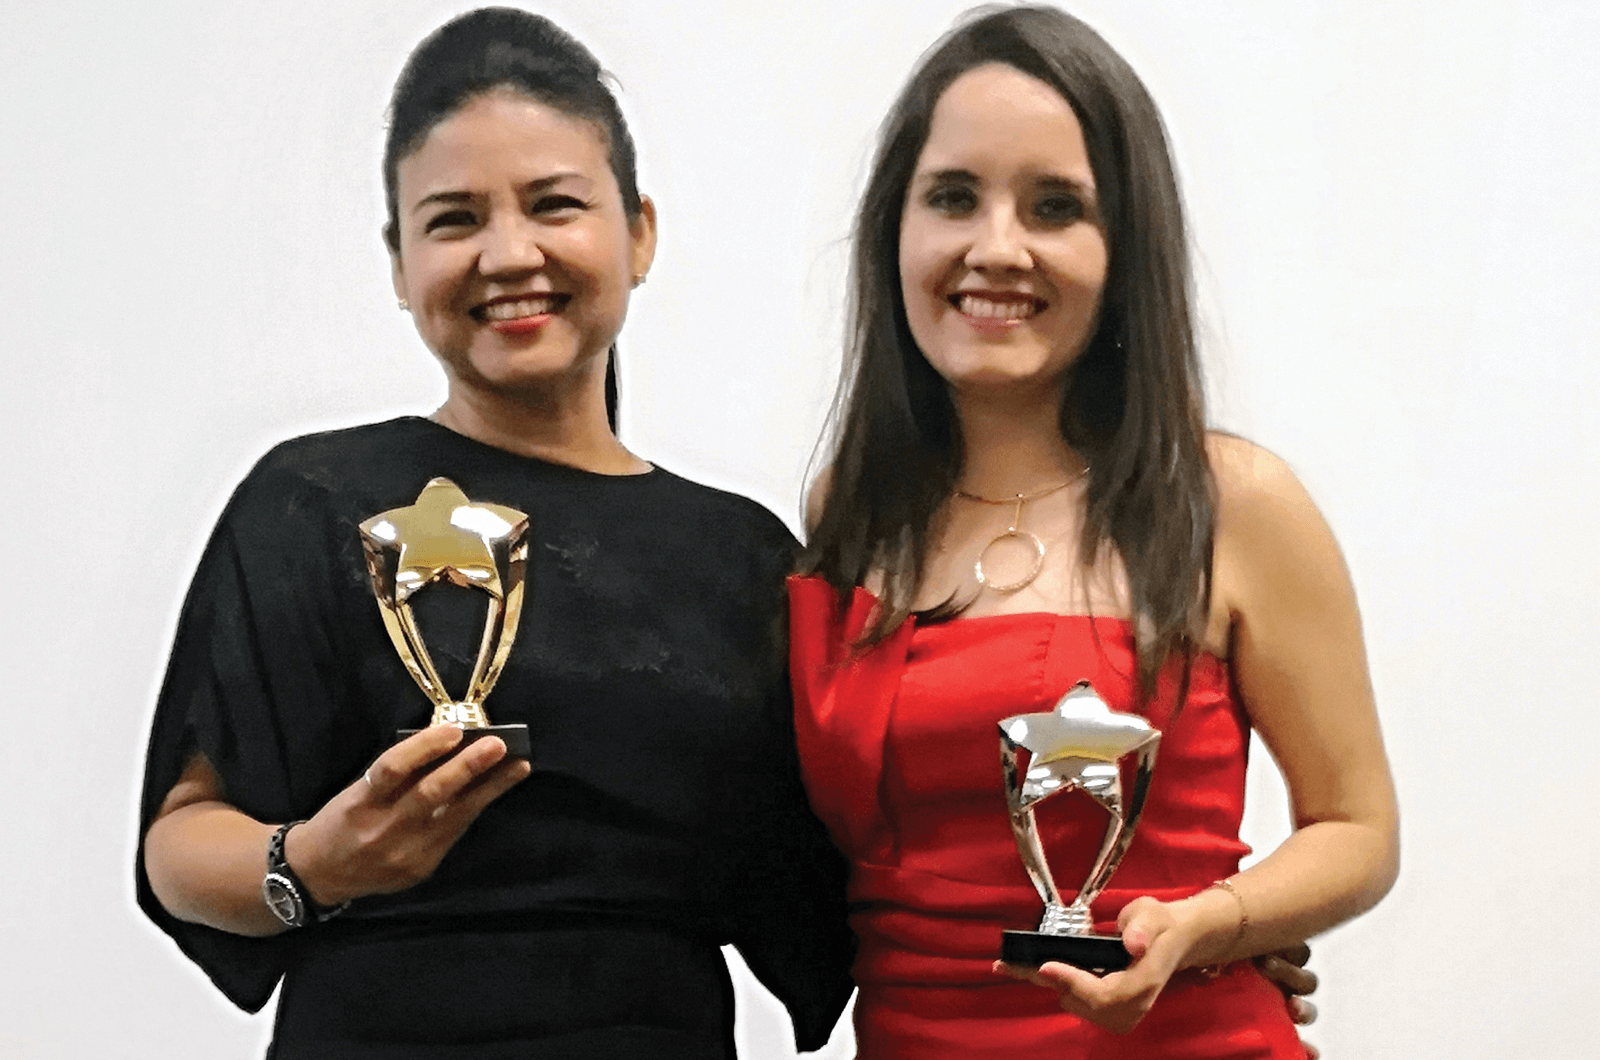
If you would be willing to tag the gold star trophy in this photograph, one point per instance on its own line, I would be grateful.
(446, 537)
(1077, 746)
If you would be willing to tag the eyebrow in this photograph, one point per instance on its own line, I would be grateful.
(442, 197)
(532, 187)
(1068, 184)
(950, 176)
(967, 177)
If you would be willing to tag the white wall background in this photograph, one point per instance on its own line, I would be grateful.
(1394, 206)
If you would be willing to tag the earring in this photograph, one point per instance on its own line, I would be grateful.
(405, 306)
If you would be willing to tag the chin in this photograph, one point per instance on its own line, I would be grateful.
(991, 373)
(528, 375)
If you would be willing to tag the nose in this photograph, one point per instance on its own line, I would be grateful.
(510, 246)
(1000, 242)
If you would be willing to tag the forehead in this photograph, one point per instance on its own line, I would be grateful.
(503, 136)
(997, 116)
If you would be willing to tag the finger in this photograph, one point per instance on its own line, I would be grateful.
(1288, 977)
(1312, 1052)
(1051, 975)
(1134, 910)
(475, 799)
(1068, 1001)
(1139, 934)
(444, 784)
(1026, 973)
(1093, 990)
(1298, 955)
(1302, 1011)
(1142, 923)
(396, 769)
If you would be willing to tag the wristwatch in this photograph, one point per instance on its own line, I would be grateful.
(285, 895)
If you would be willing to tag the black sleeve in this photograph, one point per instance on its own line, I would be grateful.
(792, 928)
(255, 684)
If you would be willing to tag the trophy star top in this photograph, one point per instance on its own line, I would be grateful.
(443, 534)
(1081, 727)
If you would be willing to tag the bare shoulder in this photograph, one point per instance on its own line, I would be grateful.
(1247, 473)
(1257, 491)
(817, 497)
(1270, 535)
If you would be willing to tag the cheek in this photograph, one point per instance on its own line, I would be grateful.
(920, 272)
(1090, 260)
(598, 263)
(434, 273)
(917, 258)
(1080, 280)
(601, 262)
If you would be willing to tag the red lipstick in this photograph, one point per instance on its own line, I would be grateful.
(520, 325)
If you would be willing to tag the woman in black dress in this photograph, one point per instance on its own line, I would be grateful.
(572, 904)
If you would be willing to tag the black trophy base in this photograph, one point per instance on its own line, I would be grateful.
(1099, 954)
(515, 737)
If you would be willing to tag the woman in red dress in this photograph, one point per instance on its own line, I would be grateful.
(1021, 494)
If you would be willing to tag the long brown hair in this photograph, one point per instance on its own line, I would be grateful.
(1132, 404)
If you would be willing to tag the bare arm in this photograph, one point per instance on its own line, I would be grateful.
(1300, 666)
(206, 859)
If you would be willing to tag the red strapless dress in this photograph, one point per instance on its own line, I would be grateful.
(900, 753)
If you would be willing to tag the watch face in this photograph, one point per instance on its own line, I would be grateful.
(282, 899)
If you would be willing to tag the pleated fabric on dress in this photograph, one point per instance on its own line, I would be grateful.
(899, 750)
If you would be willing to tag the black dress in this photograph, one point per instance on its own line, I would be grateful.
(580, 915)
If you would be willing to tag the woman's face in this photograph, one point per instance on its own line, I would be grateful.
(515, 253)
(1002, 254)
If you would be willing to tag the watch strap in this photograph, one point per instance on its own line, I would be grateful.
(285, 893)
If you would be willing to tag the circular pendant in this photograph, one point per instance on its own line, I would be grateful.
(1021, 583)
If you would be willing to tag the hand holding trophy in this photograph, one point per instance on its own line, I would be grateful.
(390, 829)
(1079, 745)
(446, 537)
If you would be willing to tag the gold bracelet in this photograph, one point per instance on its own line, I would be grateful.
(1211, 971)
(1244, 914)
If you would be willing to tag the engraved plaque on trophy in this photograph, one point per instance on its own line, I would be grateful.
(1078, 746)
(444, 537)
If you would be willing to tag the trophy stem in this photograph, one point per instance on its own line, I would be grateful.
(1073, 919)
(466, 715)
(1066, 934)
(415, 655)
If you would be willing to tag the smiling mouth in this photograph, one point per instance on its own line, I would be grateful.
(993, 307)
(499, 312)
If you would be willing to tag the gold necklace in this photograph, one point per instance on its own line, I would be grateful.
(1014, 532)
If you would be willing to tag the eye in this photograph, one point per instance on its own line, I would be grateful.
(1058, 208)
(952, 200)
(450, 219)
(556, 205)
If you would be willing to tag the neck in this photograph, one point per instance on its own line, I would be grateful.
(1011, 446)
(561, 428)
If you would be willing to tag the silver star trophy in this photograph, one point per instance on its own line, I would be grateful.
(446, 537)
(1079, 746)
